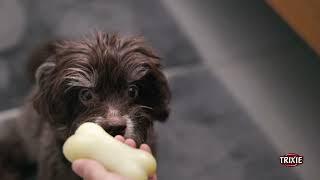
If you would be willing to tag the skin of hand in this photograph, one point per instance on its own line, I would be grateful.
(92, 170)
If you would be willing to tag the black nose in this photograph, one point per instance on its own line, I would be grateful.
(116, 130)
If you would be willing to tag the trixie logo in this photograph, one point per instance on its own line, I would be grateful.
(291, 160)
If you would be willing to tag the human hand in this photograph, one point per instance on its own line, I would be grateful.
(92, 170)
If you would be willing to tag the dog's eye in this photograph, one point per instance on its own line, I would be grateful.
(133, 91)
(85, 95)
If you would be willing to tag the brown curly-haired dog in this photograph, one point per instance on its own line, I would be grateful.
(113, 81)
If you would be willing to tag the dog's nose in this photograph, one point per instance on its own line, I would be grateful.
(117, 125)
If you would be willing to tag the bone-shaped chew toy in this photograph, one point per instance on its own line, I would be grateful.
(90, 141)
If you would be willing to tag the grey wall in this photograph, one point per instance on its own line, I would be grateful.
(27, 24)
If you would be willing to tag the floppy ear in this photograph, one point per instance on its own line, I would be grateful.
(162, 110)
(39, 56)
(43, 72)
(40, 67)
(156, 93)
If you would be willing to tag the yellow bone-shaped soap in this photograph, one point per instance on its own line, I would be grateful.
(90, 141)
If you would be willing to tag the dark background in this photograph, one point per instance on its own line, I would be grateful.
(245, 86)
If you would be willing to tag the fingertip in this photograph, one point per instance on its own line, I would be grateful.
(130, 142)
(145, 147)
(119, 138)
(154, 177)
(77, 166)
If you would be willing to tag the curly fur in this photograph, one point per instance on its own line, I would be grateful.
(106, 65)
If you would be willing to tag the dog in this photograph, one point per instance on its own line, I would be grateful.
(114, 81)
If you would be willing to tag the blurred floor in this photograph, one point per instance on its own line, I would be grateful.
(210, 134)
(264, 65)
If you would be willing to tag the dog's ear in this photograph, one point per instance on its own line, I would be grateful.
(162, 110)
(43, 72)
(41, 62)
(156, 92)
(40, 67)
(38, 56)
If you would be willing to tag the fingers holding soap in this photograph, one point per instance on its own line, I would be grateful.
(119, 138)
(92, 142)
(146, 148)
(131, 143)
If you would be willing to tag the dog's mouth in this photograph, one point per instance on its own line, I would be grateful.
(116, 130)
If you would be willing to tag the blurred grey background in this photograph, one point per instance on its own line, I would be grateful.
(245, 86)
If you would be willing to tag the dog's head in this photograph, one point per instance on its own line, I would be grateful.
(114, 81)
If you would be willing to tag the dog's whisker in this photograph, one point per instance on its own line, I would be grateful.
(146, 107)
(138, 116)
